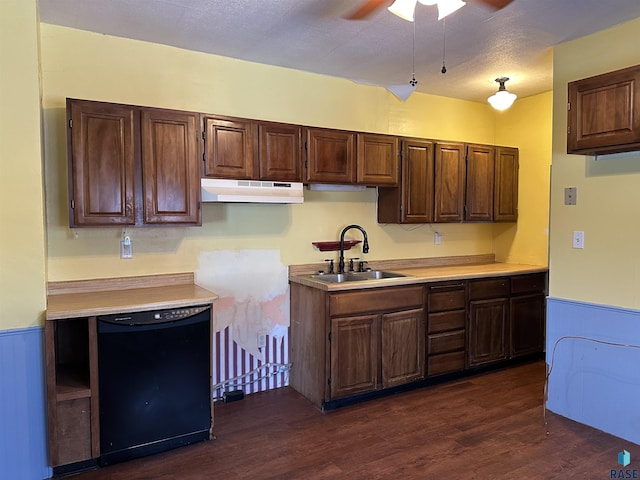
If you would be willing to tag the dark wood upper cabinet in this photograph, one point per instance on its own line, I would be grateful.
(280, 152)
(330, 156)
(450, 181)
(102, 157)
(377, 159)
(244, 149)
(412, 201)
(132, 165)
(480, 183)
(604, 113)
(171, 177)
(343, 157)
(505, 200)
(229, 148)
(458, 183)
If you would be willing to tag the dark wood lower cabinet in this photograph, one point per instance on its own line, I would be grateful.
(354, 355)
(402, 354)
(527, 316)
(370, 352)
(487, 331)
(348, 344)
(446, 330)
(355, 342)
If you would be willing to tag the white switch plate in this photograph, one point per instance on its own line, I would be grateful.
(262, 339)
(578, 239)
(570, 196)
(437, 238)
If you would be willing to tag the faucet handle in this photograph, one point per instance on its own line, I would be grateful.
(361, 265)
(330, 260)
(351, 263)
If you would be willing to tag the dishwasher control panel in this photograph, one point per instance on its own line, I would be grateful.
(170, 315)
(154, 316)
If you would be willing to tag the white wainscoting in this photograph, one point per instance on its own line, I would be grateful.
(230, 361)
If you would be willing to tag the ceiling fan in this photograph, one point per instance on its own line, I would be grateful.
(369, 7)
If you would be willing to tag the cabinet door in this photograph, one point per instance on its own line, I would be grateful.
(505, 199)
(330, 156)
(354, 355)
(450, 180)
(480, 180)
(487, 329)
(527, 315)
(280, 152)
(403, 349)
(228, 148)
(604, 113)
(102, 158)
(170, 167)
(377, 160)
(412, 201)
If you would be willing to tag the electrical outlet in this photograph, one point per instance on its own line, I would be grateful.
(262, 339)
(126, 248)
(437, 238)
(578, 239)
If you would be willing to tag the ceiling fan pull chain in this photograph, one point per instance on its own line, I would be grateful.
(413, 82)
(444, 44)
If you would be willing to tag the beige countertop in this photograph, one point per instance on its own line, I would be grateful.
(423, 271)
(87, 298)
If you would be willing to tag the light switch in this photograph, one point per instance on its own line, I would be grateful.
(578, 239)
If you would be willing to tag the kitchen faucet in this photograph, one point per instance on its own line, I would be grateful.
(365, 245)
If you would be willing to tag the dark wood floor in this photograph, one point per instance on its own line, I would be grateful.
(486, 427)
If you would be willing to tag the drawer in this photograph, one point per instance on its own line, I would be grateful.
(445, 342)
(489, 288)
(444, 297)
(533, 283)
(375, 300)
(445, 363)
(443, 321)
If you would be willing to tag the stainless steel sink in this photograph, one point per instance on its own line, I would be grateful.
(373, 275)
(355, 276)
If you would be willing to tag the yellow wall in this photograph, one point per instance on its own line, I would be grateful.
(527, 125)
(93, 66)
(87, 65)
(607, 271)
(22, 244)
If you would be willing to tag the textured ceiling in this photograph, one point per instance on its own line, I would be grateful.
(314, 36)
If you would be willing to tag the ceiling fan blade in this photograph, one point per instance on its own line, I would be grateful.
(368, 7)
(495, 4)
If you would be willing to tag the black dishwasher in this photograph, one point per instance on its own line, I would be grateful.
(155, 384)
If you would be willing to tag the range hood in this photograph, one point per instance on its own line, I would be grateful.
(251, 191)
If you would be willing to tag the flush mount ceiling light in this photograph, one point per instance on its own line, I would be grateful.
(503, 98)
(406, 8)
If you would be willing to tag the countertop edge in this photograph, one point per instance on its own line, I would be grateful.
(425, 275)
(88, 304)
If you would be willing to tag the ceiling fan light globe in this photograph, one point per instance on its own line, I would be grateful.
(404, 9)
(447, 7)
(502, 99)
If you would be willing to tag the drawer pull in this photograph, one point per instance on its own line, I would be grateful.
(442, 287)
